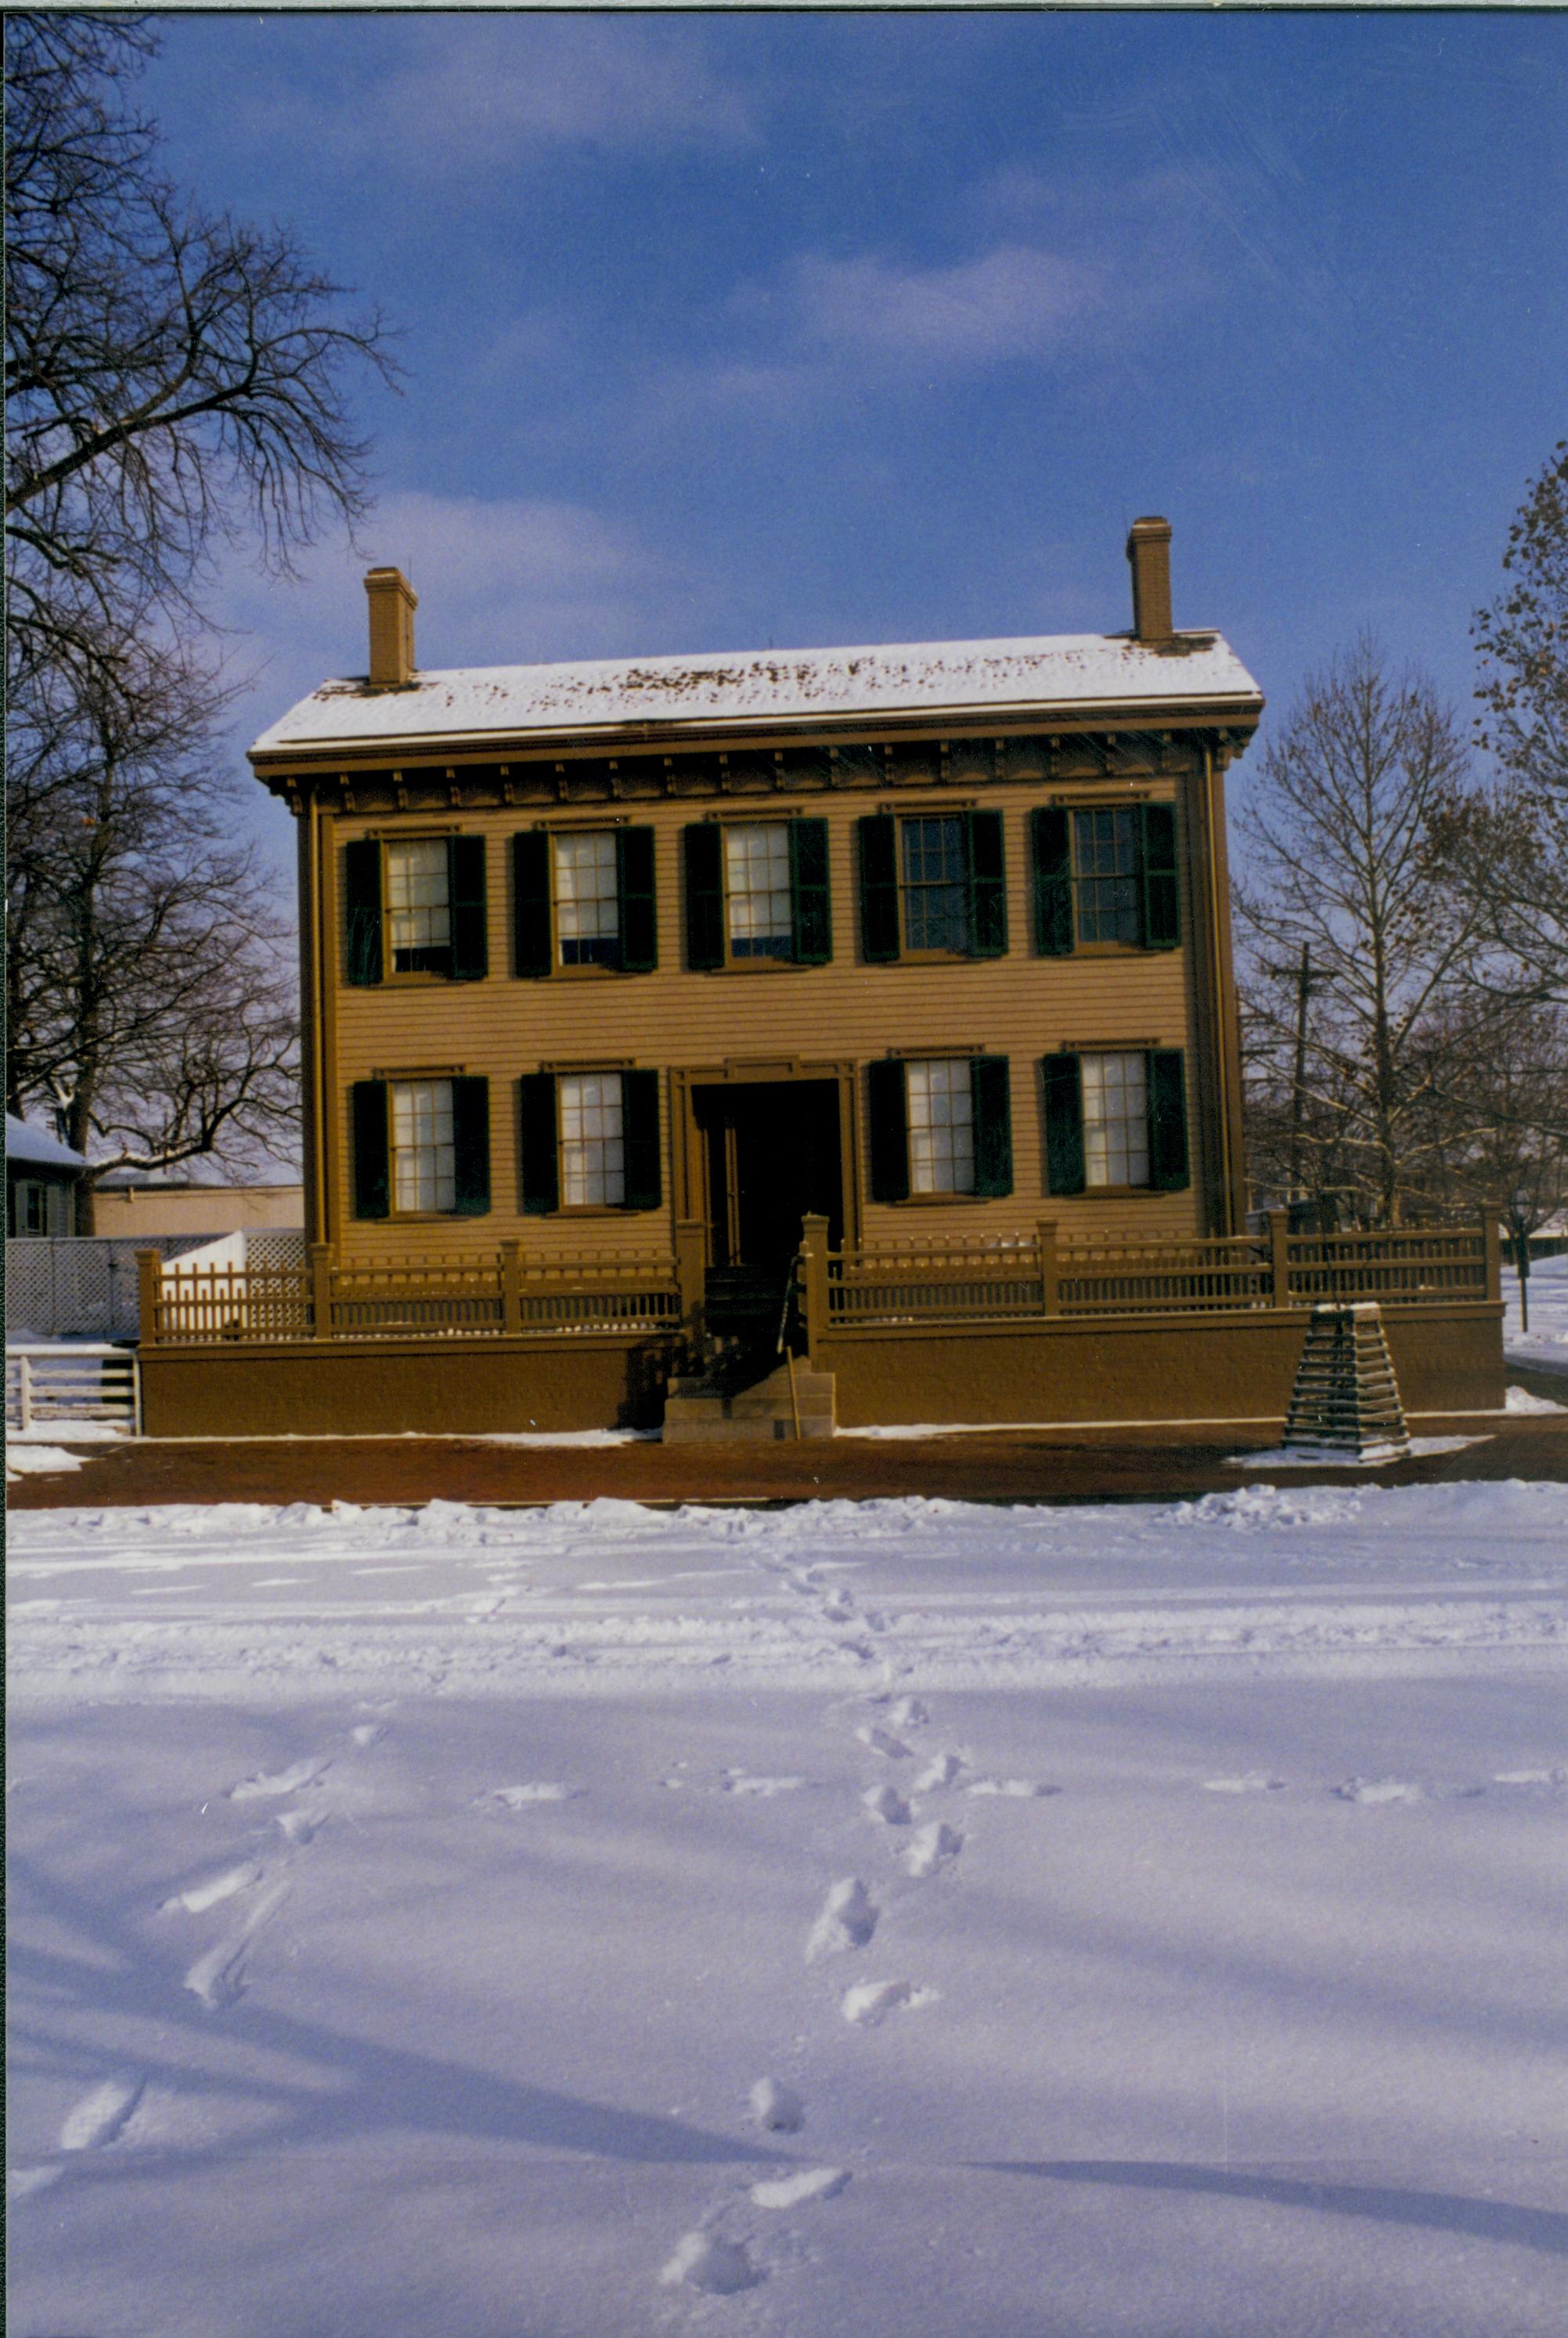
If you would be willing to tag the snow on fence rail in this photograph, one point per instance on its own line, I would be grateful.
(492, 1294)
(60, 1385)
(1036, 1274)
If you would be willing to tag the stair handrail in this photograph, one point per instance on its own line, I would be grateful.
(791, 1286)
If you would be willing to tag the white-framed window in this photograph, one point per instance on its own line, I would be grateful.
(593, 1140)
(587, 903)
(934, 879)
(31, 1208)
(1115, 1119)
(756, 889)
(1105, 866)
(941, 1108)
(423, 1155)
(420, 905)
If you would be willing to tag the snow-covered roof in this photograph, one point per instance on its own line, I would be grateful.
(1066, 672)
(31, 1145)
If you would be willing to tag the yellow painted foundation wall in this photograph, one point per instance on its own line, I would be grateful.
(1021, 1006)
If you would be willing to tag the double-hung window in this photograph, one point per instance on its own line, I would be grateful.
(932, 885)
(591, 1141)
(757, 893)
(420, 1147)
(583, 899)
(1116, 1121)
(940, 1126)
(416, 905)
(1104, 876)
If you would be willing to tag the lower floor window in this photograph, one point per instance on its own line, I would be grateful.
(592, 1142)
(941, 1126)
(424, 1154)
(1115, 1120)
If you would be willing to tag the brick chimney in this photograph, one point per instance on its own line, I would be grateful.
(1148, 551)
(393, 602)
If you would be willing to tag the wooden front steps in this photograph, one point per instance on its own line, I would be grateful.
(1346, 1399)
(706, 1411)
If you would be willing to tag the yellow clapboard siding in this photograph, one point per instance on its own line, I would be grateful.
(1019, 1006)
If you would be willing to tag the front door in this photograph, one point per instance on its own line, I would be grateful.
(771, 1157)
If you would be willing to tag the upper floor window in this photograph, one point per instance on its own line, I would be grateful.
(1105, 874)
(414, 905)
(1116, 1121)
(932, 884)
(583, 897)
(757, 891)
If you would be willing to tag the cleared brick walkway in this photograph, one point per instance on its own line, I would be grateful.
(1013, 1466)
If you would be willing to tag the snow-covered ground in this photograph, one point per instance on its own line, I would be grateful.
(912, 1918)
(1546, 1341)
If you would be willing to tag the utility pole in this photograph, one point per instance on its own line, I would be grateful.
(1305, 981)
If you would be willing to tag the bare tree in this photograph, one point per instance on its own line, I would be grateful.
(176, 382)
(1336, 840)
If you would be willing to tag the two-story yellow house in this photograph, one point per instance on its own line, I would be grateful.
(935, 932)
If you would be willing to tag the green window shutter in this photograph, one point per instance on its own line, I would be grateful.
(987, 886)
(703, 843)
(1162, 895)
(1064, 1125)
(878, 835)
(634, 887)
(990, 1093)
(541, 1147)
(367, 1100)
(470, 923)
(889, 1129)
(810, 912)
(362, 898)
(471, 1147)
(531, 902)
(1168, 1172)
(1052, 851)
(639, 1132)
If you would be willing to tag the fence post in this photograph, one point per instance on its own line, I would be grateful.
(814, 1259)
(691, 1265)
(24, 1391)
(511, 1288)
(1492, 1252)
(1050, 1268)
(1280, 1257)
(149, 1291)
(320, 1291)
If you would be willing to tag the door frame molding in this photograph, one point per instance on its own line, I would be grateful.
(687, 1179)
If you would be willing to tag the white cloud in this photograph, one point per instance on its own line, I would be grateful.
(1014, 301)
(470, 92)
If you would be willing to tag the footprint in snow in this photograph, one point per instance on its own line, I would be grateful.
(887, 1804)
(869, 2002)
(198, 1897)
(846, 1920)
(1379, 1789)
(909, 1712)
(883, 1741)
(100, 2118)
(792, 2191)
(933, 1847)
(368, 1732)
(1021, 1790)
(740, 1782)
(300, 1826)
(538, 1790)
(1254, 1781)
(702, 2261)
(281, 1782)
(941, 1771)
(775, 2107)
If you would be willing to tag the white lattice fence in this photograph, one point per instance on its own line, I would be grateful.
(81, 1286)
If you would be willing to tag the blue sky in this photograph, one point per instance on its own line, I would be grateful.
(723, 331)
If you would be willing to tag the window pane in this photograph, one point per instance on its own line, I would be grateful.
(941, 1126)
(587, 910)
(1105, 864)
(756, 889)
(1115, 1120)
(418, 899)
(935, 884)
(424, 1163)
(593, 1151)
